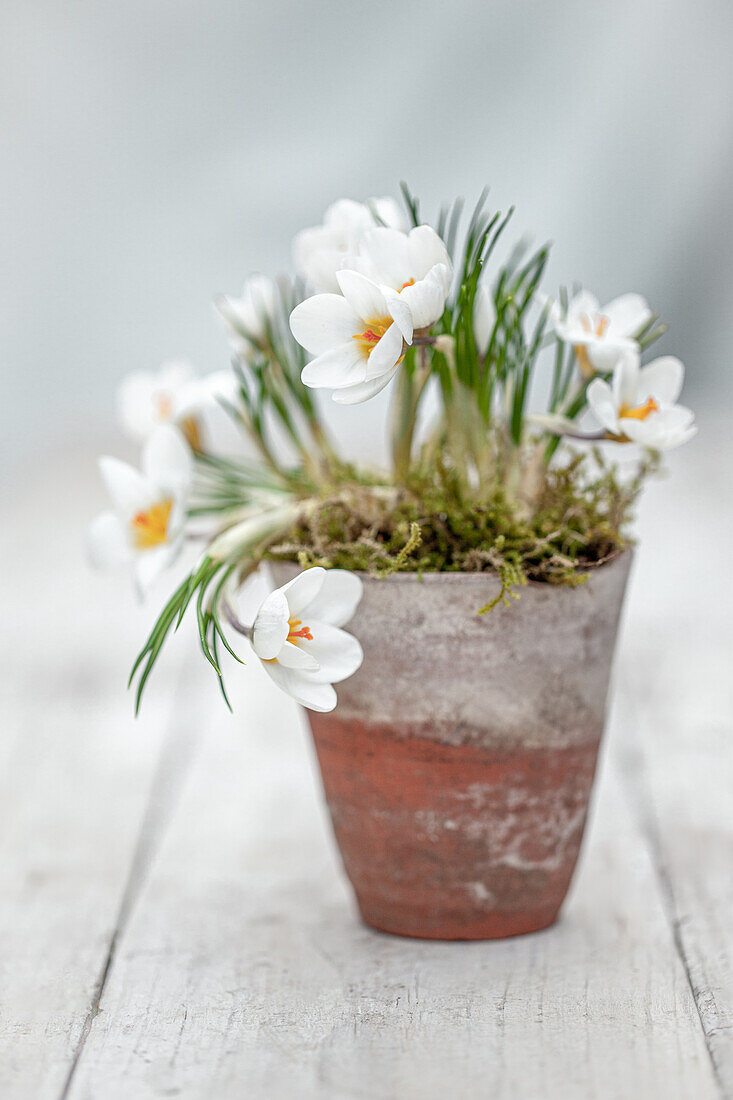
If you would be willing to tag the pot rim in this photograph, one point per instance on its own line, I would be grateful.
(436, 576)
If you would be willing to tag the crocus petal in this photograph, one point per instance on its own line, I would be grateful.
(679, 438)
(303, 589)
(107, 542)
(320, 252)
(176, 519)
(385, 354)
(344, 365)
(364, 296)
(627, 315)
(293, 656)
(175, 373)
(662, 430)
(386, 250)
(568, 332)
(661, 379)
(307, 242)
(323, 322)
(206, 391)
(348, 216)
(338, 654)
(261, 295)
(129, 491)
(271, 628)
(388, 211)
(626, 379)
(484, 317)
(602, 404)
(584, 304)
(400, 312)
(146, 399)
(150, 564)
(338, 598)
(167, 461)
(354, 395)
(257, 306)
(426, 298)
(315, 696)
(605, 352)
(425, 249)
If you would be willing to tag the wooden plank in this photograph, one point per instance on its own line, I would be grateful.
(678, 727)
(218, 932)
(680, 769)
(244, 970)
(683, 797)
(74, 786)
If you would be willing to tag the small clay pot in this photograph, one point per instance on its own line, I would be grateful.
(459, 761)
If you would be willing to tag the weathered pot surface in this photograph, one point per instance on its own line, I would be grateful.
(459, 761)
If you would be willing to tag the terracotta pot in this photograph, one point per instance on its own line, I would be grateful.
(459, 761)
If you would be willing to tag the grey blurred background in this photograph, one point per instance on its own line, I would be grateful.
(155, 152)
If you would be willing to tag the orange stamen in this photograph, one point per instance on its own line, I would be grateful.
(595, 326)
(304, 631)
(641, 412)
(410, 282)
(599, 328)
(150, 528)
(190, 428)
(586, 367)
(372, 334)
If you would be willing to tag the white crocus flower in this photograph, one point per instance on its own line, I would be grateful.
(297, 636)
(145, 525)
(414, 265)
(484, 317)
(174, 394)
(321, 251)
(600, 335)
(357, 339)
(249, 317)
(639, 406)
(147, 399)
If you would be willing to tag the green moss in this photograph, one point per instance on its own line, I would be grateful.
(577, 519)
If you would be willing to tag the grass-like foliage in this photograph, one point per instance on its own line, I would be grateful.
(577, 521)
(479, 487)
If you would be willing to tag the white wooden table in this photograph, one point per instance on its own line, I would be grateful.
(173, 919)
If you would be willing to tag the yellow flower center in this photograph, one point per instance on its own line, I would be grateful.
(372, 334)
(594, 326)
(640, 412)
(295, 633)
(150, 528)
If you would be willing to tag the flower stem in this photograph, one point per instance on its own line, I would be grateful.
(235, 622)
(409, 392)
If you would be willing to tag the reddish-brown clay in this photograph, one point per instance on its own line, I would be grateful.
(452, 841)
(459, 762)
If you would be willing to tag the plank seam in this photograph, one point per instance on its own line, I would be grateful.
(174, 763)
(634, 771)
